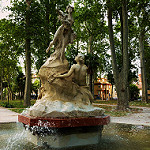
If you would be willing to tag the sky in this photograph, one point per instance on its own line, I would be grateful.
(3, 4)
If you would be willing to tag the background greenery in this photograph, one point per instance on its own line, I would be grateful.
(90, 25)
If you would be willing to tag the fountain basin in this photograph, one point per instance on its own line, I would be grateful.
(64, 132)
(64, 122)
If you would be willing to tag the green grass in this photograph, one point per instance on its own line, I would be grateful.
(132, 103)
(19, 110)
(116, 113)
(14, 103)
(110, 102)
(111, 110)
(17, 106)
(139, 103)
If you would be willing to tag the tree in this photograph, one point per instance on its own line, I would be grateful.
(27, 93)
(45, 26)
(36, 86)
(141, 12)
(143, 24)
(8, 55)
(34, 31)
(134, 92)
(111, 80)
(19, 83)
(120, 76)
(147, 58)
(90, 28)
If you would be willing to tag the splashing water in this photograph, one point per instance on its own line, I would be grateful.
(114, 137)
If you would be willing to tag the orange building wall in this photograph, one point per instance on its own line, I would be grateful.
(102, 89)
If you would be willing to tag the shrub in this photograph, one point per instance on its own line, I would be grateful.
(134, 92)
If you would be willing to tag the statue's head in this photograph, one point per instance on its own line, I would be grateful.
(69, 9)
(80, 58)
(66, 24)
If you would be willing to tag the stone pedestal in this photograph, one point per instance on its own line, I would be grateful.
(69, 137)
(64, 132)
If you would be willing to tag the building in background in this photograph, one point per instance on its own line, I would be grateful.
(103, 90)
(139, 84)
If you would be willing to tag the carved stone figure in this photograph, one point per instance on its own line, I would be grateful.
(64, 35)
(78, 70)
(64, 92)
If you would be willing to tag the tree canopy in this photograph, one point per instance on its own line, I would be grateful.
(32, 25)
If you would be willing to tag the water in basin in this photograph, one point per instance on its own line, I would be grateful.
(115, 137)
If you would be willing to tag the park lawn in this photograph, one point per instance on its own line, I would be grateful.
(111, 110)
(14, 103)
(132, 103)
(17, 110)
(17, 106)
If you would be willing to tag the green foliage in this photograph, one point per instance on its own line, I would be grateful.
(43, 24)
(36, 86)
(111, 110)
(94, 63)
(17, 110)
(6, 105)
(14, 104)
(147, 58)
(71, 53)
(110, 78)
(89, 21)
(134, 92)
(139, 103)
(132, 103)
(19, 82)
(9, 51)
(91, 30)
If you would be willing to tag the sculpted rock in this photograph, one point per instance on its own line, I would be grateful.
(64, 92)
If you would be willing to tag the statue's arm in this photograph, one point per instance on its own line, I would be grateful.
(67, 74)
(56, 36)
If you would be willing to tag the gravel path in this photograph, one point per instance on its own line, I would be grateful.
(142, 118)
(7, 116)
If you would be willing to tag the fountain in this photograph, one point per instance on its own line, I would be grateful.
(63, 116)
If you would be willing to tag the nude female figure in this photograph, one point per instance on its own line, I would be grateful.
(64, 35)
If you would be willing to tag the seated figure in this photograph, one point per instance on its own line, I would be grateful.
(78, 71)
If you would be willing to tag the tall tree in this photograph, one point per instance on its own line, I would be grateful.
(90, 28)
(120, 76)
(143, 24)
(34, 18)
(8, 54)
(141, 12)
(27, 94)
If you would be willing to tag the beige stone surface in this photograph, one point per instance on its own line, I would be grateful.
(64, 92)
(7, 116)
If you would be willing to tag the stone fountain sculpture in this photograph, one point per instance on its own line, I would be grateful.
(64, 92)
(64, 113)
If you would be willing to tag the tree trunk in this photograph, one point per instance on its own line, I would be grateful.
(7, 95)
(1, 85)
(91, 71)
(27, 94)
(121, 78)
(143, 72)
(123, 92)
(47, 6)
